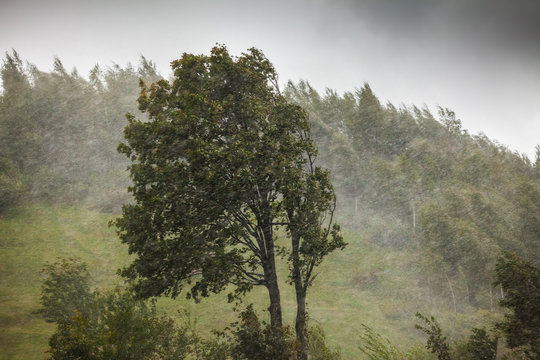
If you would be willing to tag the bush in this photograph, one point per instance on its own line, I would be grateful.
(521, 283)
(256, 340)
(65, 290)
(118, 327)
(481, 346)
(101, 326)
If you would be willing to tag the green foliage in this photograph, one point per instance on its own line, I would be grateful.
(60, 130)
(436, 342)
(367, 126)
(223, 162)
(208, 173)
(118, 327)
(528, 207)
(109, 325)
(65, 291)
(481, 346)
(255, 340)
(377, 347)
(458, 196)
(521, 283)
(457, 227)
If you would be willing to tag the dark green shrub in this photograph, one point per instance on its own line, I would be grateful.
(101, 326)
(481, 346)
(521, 283)
(256, 340)
(118, 327)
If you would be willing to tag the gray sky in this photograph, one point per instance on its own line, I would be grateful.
(480, 58)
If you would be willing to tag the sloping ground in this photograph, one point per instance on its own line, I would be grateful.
(31, 237)
(362, 284)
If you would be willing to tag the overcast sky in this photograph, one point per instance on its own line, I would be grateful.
(480, 58)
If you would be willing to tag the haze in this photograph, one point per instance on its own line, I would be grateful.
(479, 58)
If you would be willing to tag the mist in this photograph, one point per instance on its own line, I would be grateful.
(477, 58)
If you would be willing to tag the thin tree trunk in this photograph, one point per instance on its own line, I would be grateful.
(300, 289)
(491, 299)
(451, 291)
(413, 206)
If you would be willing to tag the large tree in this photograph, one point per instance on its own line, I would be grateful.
(223, 161)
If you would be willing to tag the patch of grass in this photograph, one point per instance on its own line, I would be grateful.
(29, 238)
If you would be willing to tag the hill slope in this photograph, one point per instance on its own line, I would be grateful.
(365, 283)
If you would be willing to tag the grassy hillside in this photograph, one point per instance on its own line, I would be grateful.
(363, 284)
(427, 207)
(30, 237)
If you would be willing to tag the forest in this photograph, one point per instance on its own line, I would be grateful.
(213, 215)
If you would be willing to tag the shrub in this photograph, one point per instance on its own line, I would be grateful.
(256, 340)
(101, 326)
(65, 290)
(436, 342)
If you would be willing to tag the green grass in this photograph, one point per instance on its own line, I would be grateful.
(31, 237)
(364, 283)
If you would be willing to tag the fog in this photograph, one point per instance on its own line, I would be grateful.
(479, 58)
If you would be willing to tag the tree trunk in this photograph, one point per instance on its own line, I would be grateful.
(490, 298)
(452, 292)
(301, 325)
(300, 289)
(413, 206)
(270, 275)
(275, 299)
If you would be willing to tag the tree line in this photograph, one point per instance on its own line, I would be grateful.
(457, 199)
(223, 164)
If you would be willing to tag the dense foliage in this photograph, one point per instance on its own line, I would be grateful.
(65, 290)
(458, 199)
(521, 283)
(221, 163)
(108, 325)
(113, 324)
(59, 132)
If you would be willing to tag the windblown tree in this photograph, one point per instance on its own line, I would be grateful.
(222, 162)
(521, 282)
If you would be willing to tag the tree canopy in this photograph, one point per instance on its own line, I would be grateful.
(222, 162)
